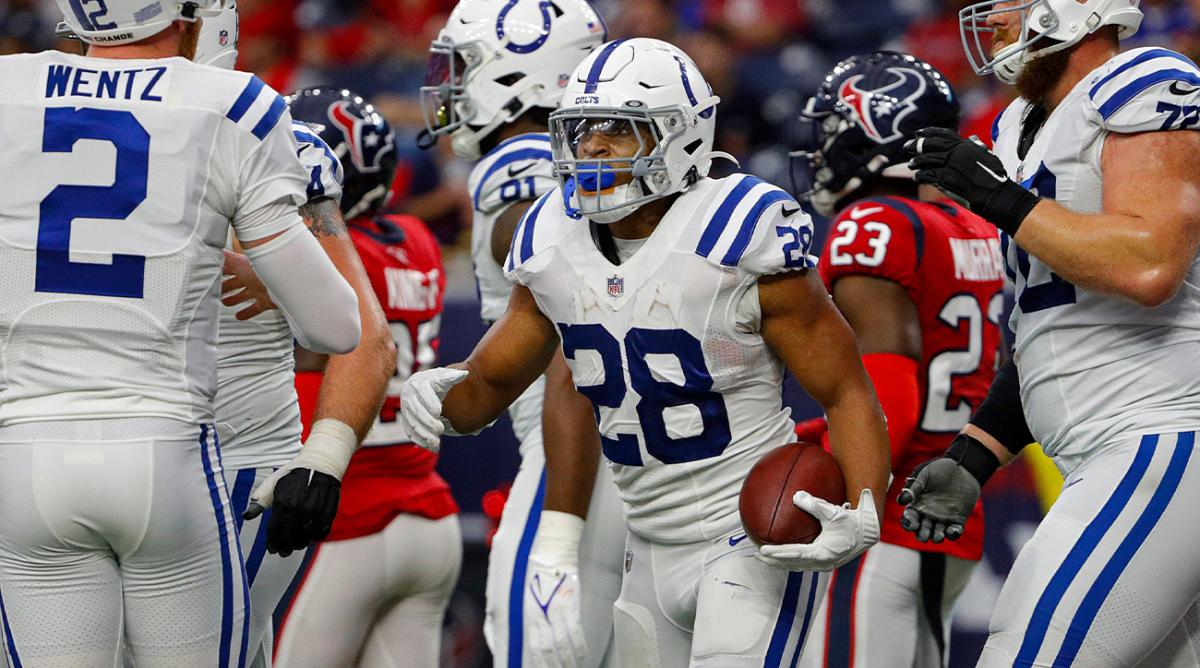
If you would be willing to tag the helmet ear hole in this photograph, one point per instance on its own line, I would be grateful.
(510, 79)
(691, 148)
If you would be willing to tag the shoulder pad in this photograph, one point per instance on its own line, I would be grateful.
(1145, 90)
(519, 169)
(756, 226)
(324, 168)
(537, 230)
(257, 109)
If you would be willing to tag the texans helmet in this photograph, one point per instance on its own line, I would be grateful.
(853, 130)
(362, 139)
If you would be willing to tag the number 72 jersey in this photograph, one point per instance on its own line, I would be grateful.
(667, 347)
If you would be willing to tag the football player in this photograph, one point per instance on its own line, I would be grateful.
(920, 280)
(376, 591)
(678, 299)
(495, 73)
(258, 420)
(124, 170)
(1093, 185)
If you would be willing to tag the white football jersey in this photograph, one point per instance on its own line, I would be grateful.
(258, 420)
(1095, 367)
(667, 344)
(519, 169)
(121, 178)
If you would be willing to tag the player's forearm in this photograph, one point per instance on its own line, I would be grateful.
(858, 439)
(1110, 253)
(571, 442)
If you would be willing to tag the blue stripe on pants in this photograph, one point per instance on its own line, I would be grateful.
(1043, 612)
(259, 550)
(516, 592)
(1090, 606)
(808, 613)
(783, 623)
(239, 496)
(214, 491)
(8, 636)
(241, 564)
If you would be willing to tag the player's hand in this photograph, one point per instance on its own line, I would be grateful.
(965, 170)
(241, 285)
(421, 405)
(845, 533)
(303, 495)
(552, 618)
(939, 497)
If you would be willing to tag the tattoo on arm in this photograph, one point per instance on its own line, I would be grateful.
(323, 218)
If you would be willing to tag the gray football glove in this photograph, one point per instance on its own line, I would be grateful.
(939, 496)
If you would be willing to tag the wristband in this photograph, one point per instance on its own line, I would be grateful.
(974, 456)
(1008, 206)
(558, 537)
(328, 449)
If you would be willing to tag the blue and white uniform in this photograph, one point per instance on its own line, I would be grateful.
(520, 169)
(667, 346)
(1112, 391)
(258, 419)
(122, 178)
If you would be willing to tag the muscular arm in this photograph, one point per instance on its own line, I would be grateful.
(571, 442)
(1144, 241)
(355, 383)
(799, 318)
(513, 353)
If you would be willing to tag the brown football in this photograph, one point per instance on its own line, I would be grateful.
(768, 514)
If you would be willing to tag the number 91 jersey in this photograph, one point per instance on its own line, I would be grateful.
(1095, 368)
(667, 345)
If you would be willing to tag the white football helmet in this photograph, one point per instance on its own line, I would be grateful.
(497, 59)
(116, 22)
(1054, 24)
(644, 87)
(218, 43)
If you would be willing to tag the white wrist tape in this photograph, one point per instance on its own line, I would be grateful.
(328, 449)
(558, 537)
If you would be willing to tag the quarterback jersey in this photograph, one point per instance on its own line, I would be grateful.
(389, 476)
(1095, 367)
(122, 178)
(667, 345)
(948, 261)
(519, 169)
(258, 422)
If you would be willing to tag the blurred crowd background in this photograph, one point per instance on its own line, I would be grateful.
(762, 57)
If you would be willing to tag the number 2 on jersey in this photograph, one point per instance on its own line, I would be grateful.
(938, 415)
(847, 232)
(56, 272)
(657, 396)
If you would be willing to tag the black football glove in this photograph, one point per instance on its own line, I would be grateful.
(967, 171)
(305, 503)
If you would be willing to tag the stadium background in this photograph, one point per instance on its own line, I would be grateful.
(762, 57)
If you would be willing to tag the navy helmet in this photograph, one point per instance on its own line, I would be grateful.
(360, 137)
(853, 130)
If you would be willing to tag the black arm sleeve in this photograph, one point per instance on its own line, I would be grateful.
(1000, 414)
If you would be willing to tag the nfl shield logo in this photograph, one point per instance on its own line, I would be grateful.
(223, 38)
(563, 80)
(616, 286)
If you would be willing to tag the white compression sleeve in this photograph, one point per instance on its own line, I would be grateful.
(320, 306)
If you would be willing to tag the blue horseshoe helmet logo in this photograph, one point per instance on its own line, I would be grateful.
(544, 6)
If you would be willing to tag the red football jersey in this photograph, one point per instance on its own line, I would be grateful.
(948, 261)
(389, 476)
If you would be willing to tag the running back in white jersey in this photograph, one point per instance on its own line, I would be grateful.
(519, 169)
(258, 419)
(1095, 367)
(667, 345)
(121, 179)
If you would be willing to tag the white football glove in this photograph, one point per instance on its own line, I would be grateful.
(845, 534)
(421, 405)
(552, 618)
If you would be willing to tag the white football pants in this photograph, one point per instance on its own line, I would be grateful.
(114, 529)
(600, 550)
(1111, 575)
(377, 601)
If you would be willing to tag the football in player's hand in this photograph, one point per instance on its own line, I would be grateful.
(768, 514)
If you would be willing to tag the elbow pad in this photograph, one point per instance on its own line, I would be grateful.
(319, 305)
(1000, 414)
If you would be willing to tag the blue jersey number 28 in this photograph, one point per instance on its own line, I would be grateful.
(65, 126)
(656, 395)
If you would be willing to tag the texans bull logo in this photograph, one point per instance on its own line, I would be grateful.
(880, 111)
(366, 138)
